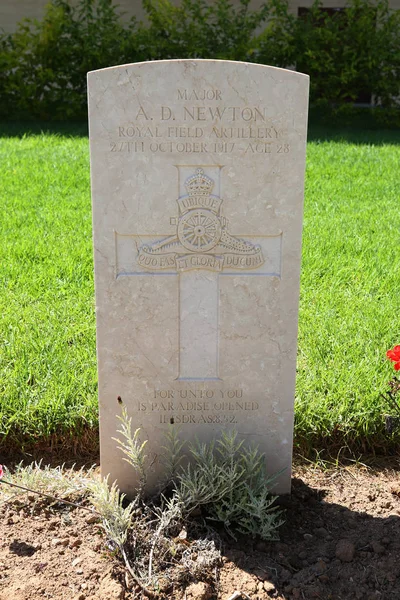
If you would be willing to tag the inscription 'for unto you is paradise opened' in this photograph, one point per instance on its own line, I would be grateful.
(203, 407)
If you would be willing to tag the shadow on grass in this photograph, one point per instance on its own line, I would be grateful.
(19, 129)
(362, 127)
(55, 450)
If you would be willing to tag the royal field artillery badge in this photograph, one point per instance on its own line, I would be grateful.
(202, 239)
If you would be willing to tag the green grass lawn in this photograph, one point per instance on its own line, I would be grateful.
(350, 301)
(47, 361)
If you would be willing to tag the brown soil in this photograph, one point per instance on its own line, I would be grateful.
(341, 540)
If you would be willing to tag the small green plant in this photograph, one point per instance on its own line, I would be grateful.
(116, 514)
(117, 520)
(223, 481)
(49, 480)
(173, 454)
(109, 502)
(223, 477)
(44, 484)
(131, 447)
(227, 480)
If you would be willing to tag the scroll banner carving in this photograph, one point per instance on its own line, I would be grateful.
(200, 229)
(186, 262)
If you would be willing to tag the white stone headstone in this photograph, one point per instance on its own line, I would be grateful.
(197, 170)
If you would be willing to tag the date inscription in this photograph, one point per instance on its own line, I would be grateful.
(199, 147)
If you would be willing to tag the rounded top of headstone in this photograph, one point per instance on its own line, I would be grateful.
(194, 62)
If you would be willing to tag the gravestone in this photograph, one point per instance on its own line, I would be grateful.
(197, 171)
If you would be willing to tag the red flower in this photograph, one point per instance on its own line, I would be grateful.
(394, 355)
(1, 471)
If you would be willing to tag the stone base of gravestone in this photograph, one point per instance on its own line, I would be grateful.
(197, 170)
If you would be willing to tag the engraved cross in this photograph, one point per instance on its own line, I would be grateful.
(201, 251)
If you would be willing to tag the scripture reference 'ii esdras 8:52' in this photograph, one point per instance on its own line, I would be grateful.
(197, 171)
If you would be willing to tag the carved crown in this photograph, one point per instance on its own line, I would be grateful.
(199, 184)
